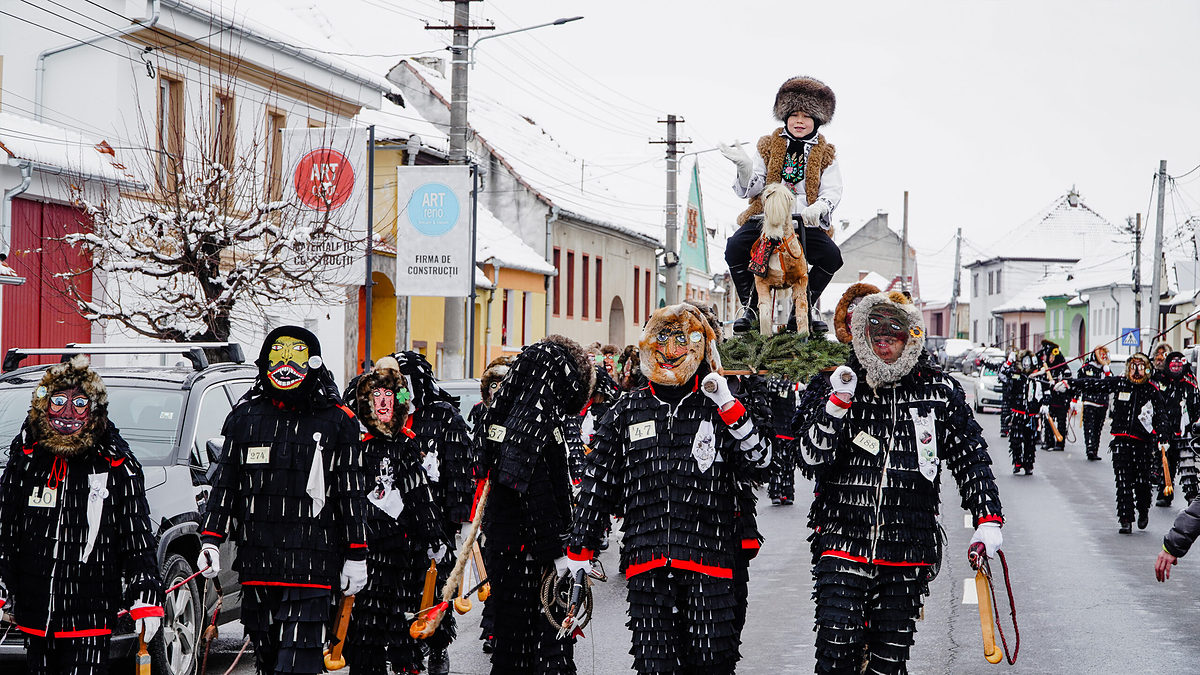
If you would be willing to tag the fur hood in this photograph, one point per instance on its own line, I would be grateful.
(855, 292)
(494, 374)
(807, 95)
(1019, 358)
(75, 373)
(877, 371)
(385, 375)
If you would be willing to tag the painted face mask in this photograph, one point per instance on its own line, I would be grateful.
(384, 403)
(674, 345)
(69, 410)
(887, 330)
(1027, 363)
(1136, 369)
(287, 363)
(1175, 367)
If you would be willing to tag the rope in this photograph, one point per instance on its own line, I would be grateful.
(986, 567)
(556, 595)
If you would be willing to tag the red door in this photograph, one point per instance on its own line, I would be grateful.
(38, 313)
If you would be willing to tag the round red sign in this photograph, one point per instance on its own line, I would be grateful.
(324, 179)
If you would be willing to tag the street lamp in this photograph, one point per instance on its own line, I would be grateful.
(556, 22)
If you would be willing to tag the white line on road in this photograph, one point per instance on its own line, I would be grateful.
(970, 597)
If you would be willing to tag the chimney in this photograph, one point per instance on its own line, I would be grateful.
(433, 62)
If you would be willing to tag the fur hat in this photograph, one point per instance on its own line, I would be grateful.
(493, 374)
(879, 372)
(807, 95)
(385, 375)
(709, 310)
(75, 373)
(855, 292)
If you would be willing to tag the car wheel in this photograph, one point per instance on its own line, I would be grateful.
(978, 409)
(175, 650)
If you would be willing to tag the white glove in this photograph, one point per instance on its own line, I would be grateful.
(354, 576)
(1044, 410)
(436, 554)
(146, 626)
(210, 558)
(566, 567)
(813, 213)
(1061, 385)
(989, 535)
(715, 387)
(738, 156)
(1075, 406)
(844, 382)
(1107, 370)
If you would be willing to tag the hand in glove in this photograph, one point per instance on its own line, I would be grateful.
(989, 535)
(813, 213)
(567, 567)
(1106, 369)
(147, 619)
(209, 561)
(436, 554)
(1044, 410)
(738, 156)
(354, 576)
(1061, 385)
(844, 382)
(715, 387)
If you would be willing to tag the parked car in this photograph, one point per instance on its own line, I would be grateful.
(1116, 363)
(988, 392)
(975, 358)
(934, 345)
(467, 391)
(955, 349)
(171, 416)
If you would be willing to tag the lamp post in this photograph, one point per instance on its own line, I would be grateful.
(453, 362)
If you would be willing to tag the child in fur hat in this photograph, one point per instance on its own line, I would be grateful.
(799, 157)
(70, 567)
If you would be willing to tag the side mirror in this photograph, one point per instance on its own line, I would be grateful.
(212, 454)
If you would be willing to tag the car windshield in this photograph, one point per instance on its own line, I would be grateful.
(148, 419)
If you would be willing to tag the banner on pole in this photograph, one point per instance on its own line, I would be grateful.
(434, 231)
(325, 178)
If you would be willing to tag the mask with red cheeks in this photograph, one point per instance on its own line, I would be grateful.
(1175, 367)
(887, 330)
(383, 401)
(69, 410)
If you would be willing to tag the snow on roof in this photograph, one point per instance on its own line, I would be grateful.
(833, 292)
(67, 150)
(1030, 297)
(293, 29)
(544, 166)
(1106, 265)
(496, 244)
(396, 123)
(481, 280)
(1065, 230)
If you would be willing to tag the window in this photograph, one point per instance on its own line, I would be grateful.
(504, 318)
(275, 124)
(998, 291)
(975, 330)
(599, 285)
(637, 280)
(557, 277)
(214, 408)
(224, 121)
(170, 131)
(585, 286)
(570, 283)
(1024, 336)
(646, 291)
(526, 316)
(975, 284)
(991, 287)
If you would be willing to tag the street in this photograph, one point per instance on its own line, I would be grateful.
(1086, 596)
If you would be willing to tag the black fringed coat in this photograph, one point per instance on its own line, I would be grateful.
(54, 592)
(874, 503)
(1128, 400)
(262, 484)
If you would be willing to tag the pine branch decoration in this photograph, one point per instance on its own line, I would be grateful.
(793, 355)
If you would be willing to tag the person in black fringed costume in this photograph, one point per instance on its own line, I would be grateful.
(404, 528)
(1179, 389)
(1024, 397)
(1094, 404)
(1055, 368)
(782, 488)
(443, 442)
(68, 567)
(890, 422)
(529, 510)
(1136, 415)
(674, 456)
(291, 478)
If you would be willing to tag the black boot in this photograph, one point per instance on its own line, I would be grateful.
(1143, 520)
(1126, 528)
(743, 284)
(439, 662)
(745, 322)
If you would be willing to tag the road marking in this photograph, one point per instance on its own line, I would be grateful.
(967, 521)
(970, 597)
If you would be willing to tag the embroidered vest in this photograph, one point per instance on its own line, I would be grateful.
(773, 148)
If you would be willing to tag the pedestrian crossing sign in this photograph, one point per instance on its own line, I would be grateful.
(1131, 337)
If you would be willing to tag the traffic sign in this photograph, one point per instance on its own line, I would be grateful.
(1131, 337)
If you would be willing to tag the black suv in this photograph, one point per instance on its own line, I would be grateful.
(171, 416)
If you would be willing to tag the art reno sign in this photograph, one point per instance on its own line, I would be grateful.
(433, 231)
(327, 167)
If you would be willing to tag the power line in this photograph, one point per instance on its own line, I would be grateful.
(71, 37)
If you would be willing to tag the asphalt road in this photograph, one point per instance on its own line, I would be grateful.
(1086, 596)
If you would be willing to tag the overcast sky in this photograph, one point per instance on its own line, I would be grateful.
(984, 111)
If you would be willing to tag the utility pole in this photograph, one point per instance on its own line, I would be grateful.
(451, 364)
(671, 247)
(904, 249)
(953, 332)
(1158, 228)
(1137, 274)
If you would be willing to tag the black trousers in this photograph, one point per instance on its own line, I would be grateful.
(865, 610)
(1132, 460)
(683, 623)
(1022, 429)
(823, 256)
(1059, 415)
(67, 656)
(524, 641)
(783, 469)
(288, 626)
(1093, 424)
(1175, 446)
